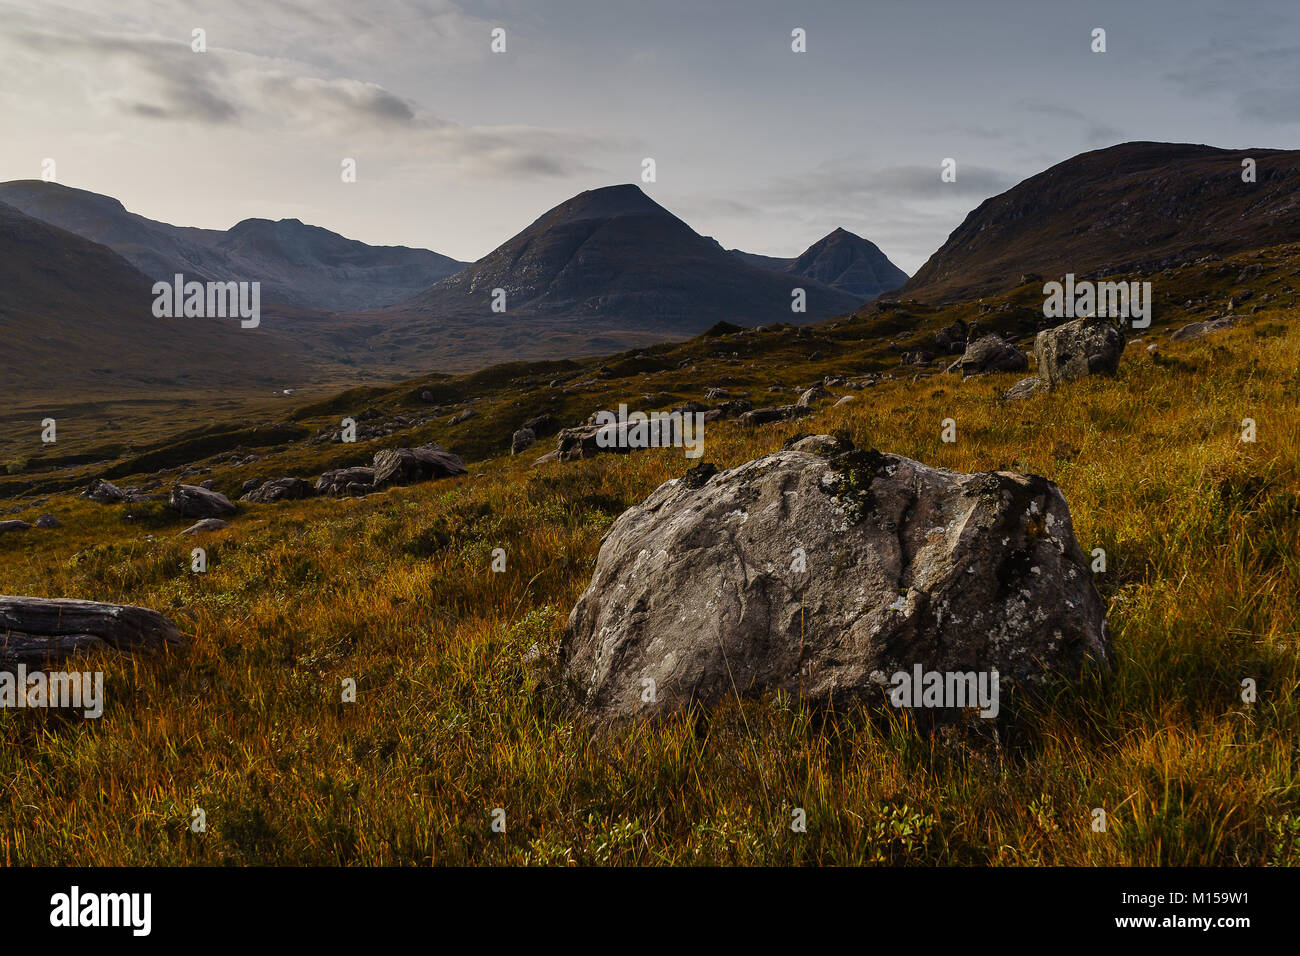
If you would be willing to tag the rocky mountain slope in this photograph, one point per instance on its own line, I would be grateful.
(1133, 206)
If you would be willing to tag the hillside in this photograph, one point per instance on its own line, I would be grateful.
(77, 318)
(299, 265)
(460, 709)
(1133, 206)
(851, 263)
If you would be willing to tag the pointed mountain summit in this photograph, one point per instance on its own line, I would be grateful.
(1136, 206)
(616, 257)
(851, 263)
(297, 264)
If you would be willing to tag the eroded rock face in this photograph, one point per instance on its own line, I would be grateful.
(191, 501)
(1078, 348)
(822, 575)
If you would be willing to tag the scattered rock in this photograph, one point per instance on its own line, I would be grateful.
(280, 489)
(778, 413)
(1200, 329)
(48, 521)
(104, 492)
(207, 524)
(466, 415)
(406, 466)
(1078, 348)
(701, 589)
(340, 482)
(817, 393)
(192, 501)
(990, 354)
(846, 400)
(714, 394)
(1025, 388)
(521, 440)
(14, 525)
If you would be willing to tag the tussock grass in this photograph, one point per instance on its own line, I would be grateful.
(455, 718)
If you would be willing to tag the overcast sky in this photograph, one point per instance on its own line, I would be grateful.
(458, 148)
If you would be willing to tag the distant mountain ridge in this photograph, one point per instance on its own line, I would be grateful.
(76, 315)
(616, 257)
(840, 260)
(297, 264)
(1138, 205)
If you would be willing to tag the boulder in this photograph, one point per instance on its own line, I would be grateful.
(340, 482)
(990, 354)
(280, 489)
(48, 521)
(779, 413)
(35, 631)
(540, 425)
(521, 439)
(821, 575)
(207, 524)
(191, 501)
(14, 525)
(817, 393)
(406, 466)
(1077, 349)
(1200, 329)
(104, 492)
(1025, 388)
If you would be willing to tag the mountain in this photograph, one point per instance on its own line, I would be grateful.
(76, 315)
(1134, 206)
(851, 263)
(615, 259)
(840, 260)
(297, 264)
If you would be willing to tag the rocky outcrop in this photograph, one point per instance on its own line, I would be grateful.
(1078, 349)
(822, 576)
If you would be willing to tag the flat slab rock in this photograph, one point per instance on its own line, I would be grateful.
(35, 631)
(701, 587)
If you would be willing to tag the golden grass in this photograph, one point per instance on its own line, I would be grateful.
(1201, 530)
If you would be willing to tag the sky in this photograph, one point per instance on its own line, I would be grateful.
(458, 147)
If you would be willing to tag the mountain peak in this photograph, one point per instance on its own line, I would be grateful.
(609, 202)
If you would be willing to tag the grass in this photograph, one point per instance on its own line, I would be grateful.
(454, 717)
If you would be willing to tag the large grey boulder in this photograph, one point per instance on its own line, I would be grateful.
(191, 501)
(35, 631)
(14, 525)
(105, 492)
(1077, 349)
(406, 466)
(990, 354)
(521, 439)
(822, 575)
